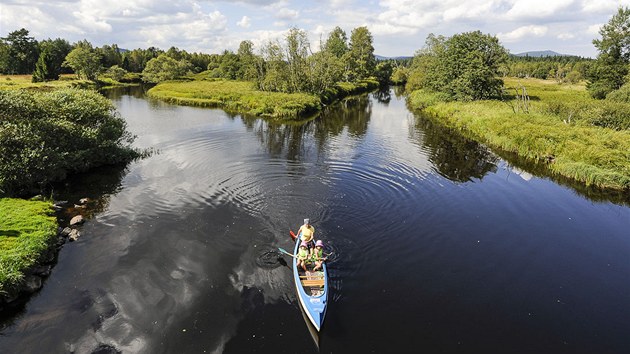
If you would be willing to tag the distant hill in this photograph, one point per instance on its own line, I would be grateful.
(380, 57)
(542, 53)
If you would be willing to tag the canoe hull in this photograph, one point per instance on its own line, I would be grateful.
(313, 299)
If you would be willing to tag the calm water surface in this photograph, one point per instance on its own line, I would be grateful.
(439, 245)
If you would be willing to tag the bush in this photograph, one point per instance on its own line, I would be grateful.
(621, 95)
(45, 135)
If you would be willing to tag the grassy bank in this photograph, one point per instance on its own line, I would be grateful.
(243, 97)
(576, 137)
(13, 82)
(27, 229)
(235, 96)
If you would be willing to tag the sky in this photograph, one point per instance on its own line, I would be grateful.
(399, 27)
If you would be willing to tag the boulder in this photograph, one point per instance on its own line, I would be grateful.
(32, 283)
(74, 235)
(77, 220)
(65, 232)
(84, 200)
(43, 271)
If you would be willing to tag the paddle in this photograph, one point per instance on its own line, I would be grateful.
(293, 236)
(286, 252)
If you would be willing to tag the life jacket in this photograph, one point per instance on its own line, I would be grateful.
(318, 254)
(302, 253)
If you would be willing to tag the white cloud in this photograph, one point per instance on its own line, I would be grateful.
(566, 36)
(593, 30)
(244, 22)
(523, 32)
(606, 7)
(287, 14)
(536, 9)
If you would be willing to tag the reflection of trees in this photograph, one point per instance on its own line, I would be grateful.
(97, 185)
(383, 95)
(456, 158)
(136, 91)
(287, 139)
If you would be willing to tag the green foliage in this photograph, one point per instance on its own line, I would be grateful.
(337, 43)
(620, 95)
(248, 61)
(360, 57)
(45, 135)
(383, 72)
(165, 68)
(21, 53)
(609, 72)
(57, 50)
(400, 75)
(565, 128)
(85, 61)
(236, 96)
(115, 73)
(41, 72)
(110, 55)
(464, 67)
(27, 230)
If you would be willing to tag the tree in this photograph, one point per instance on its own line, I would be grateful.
(42, 72)
(273, 73)
(230, 65)
(360, 56)
(57, 50)
(84, 60)
(337, 43)
(609, 71)
(22, 53)
(248, 59)
(165, 68)
(463, 67)
(115, 73)
(110, 55)
(297, 48)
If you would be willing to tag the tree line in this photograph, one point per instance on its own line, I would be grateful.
(465, 66)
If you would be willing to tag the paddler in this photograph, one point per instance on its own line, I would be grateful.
(306, 233)
(318, 255)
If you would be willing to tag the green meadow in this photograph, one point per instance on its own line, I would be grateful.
(560, 126)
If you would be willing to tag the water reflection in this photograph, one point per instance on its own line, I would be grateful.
(454, 156)
(181, 258)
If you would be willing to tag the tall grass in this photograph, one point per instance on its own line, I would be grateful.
(572, 147)
(236, 96)
(243, 97)
(27, 229)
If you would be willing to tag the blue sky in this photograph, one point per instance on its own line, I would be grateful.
(399, 27)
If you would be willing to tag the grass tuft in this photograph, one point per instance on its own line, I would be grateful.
(27, 229)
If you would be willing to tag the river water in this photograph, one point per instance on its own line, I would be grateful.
(439, 244)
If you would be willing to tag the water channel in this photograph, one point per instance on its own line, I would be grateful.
(439, 244)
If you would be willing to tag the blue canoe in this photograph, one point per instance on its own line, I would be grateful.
(312, 290)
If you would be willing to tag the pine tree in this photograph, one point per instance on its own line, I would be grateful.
(41, 72)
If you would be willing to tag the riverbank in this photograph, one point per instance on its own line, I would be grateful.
(28, 230)
(243, 97)
(13, 82)
(561, 127)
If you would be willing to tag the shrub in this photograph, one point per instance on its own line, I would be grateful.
(45, 135)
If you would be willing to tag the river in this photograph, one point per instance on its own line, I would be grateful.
(440, 245)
